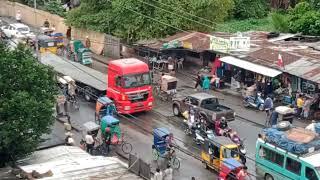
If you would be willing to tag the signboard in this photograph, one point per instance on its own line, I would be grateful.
(219, 44)
(238, 43)
(187, 45)
(171, 44)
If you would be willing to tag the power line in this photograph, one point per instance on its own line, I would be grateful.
(175, 14)
(184, 11)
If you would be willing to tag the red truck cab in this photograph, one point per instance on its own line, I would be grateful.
(130, 85)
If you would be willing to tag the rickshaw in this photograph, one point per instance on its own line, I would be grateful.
(104, 106)
(47, 43)
(79, 53)
(229, 169)
(214, 151)
(162, 147)
(116, 137)
(167, 90)
(58, 37)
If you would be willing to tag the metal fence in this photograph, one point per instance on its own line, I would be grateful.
(139, 167)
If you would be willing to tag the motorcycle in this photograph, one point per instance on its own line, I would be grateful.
(254, 101)
(201, 135)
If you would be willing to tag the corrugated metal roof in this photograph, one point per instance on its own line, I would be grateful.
(305, 69)
(70, 162)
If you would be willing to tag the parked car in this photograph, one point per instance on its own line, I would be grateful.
(207, 105)
(17, 30)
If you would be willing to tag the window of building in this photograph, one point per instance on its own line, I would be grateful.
(293, 166)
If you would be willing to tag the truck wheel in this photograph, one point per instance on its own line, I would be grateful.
(283, 125)
(176, 110)
(87, 93)
(268, 177)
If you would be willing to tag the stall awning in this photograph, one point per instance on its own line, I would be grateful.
(250, 66)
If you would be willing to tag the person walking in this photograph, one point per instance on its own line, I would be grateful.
(46, 24)
(89, 142)
(107, 139)
(18, 16)
(168, 173)
(242, 174)
(206, 84)
(300, 104)
(88, 42)
(158, 175)
(198, 81)
(306, 107)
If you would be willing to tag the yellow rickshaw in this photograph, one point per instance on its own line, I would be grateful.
(47, 44)
(215, 151)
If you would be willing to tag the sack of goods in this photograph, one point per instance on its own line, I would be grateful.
(295, 140)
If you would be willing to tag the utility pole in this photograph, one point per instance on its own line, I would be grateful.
(35, 21)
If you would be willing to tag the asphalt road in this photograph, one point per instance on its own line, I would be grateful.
(138, 132)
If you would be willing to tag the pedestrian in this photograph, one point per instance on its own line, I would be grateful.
(18, 16)
(300, 104)
(312, 126)
(88, 42)
(168, 173)
(158, 175)
(69, 140)
(46, 24)
(89, 142)
(198, 81)
(306, 107)
(206, 84)
(107, 138)
(68, 34)
(242, 174)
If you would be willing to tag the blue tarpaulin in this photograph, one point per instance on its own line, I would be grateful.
(279, 138)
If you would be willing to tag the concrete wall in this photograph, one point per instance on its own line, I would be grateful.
(37, 17)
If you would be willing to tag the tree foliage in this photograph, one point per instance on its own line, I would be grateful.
(144, 19)
(280, 22)
(27, 95)
(55, 8)
(245, 9)
(303, 18)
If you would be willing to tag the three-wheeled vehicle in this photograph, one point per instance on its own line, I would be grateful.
(115, 135)
(78, 52)
(167, 90)
(214, 151)
(162, 147)
(47, 44)
(58, 37)
(46, 31)
(104, 106)
(229, 169)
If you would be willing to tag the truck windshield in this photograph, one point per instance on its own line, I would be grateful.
(136, 80)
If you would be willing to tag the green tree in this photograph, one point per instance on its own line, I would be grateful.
(280, 22)
(303, 18)
(27, 95)
(244, 9)
(144, 19)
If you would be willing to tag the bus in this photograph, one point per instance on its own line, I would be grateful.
(274, 163)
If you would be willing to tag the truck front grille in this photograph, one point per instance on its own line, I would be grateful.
(138, 97)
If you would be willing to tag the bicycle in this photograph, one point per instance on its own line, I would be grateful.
(172, 159)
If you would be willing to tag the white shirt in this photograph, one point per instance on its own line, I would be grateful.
(168, 174)
(18, 16)
(311, 127)
(89, 139)
(158, 176)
